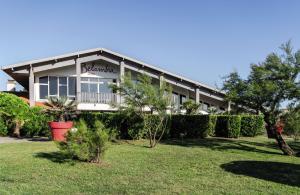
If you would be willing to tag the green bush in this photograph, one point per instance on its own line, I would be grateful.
(16, 112)
(152, 122)
(36, 123)
(86, 144)
(190, 126)
(212, 124)
(228, 126)
(3, 127)
(121, 124)
(252, 125)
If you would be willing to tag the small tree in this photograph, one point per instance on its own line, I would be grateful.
(61, 108)
(86, 144)
(191, 107)
(269, 84)
(143, 98)
(16, 111)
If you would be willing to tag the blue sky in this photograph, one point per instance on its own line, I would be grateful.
(202, 40)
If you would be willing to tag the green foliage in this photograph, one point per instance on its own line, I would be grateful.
(16, 111)
(61, 108)
(3, 127)
(228, 126)
(191, 107)
(190, 126)
(36, 123)
(292, 123)
(252, 125)
(86, 144)
(142, 96)
(212, 124)
(268, 85)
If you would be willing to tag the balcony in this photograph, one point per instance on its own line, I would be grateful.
(98, 98)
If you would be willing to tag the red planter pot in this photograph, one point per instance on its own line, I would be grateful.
(59, 130)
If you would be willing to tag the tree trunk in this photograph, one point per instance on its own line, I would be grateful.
(284, 147)
(18, 126)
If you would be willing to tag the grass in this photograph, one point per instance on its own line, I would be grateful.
(210, 166)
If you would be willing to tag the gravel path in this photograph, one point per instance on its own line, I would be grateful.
(17, 140)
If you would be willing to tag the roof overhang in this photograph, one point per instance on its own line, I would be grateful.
(19, 71)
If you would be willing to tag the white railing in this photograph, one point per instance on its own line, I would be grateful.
(100, 98)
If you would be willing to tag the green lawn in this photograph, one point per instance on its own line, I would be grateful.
(210, 166)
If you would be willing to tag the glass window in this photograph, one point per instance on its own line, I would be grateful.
(44, 80)
(93, 88)
(72, 86)
(84, 79)
(182, 99)
(84, 87)
(94, 79)
(175, 99)
(52, 85)
(62, 91)
(63, 80)
(104, 86)
(43, 91)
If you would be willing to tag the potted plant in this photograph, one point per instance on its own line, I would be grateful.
(61, 108)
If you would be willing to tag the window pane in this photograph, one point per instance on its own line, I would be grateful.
(93, 88)
(44, 80)
(63, 80)
(72, 85)
(52, 85)
(182, 99)
(84, 79)
(94, 79)
(84, 87)
(62, 91)
(43, 91)
(104, 87)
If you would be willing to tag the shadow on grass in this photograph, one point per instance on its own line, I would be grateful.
(226, 144)
(56, 157)
(279, 172)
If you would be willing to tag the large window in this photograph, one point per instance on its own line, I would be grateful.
(96, 85)
(52, 86)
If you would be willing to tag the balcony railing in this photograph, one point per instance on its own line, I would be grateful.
(98, 98)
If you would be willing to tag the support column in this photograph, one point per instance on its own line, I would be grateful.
(78, 80)
(31, 87)
(229, 106)
(122, 74)
(197, 97)
(122, 71)
(161, 80)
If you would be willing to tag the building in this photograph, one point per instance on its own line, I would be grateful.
(86, 75)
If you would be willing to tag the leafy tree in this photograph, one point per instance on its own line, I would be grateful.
(191, 107)
(142, 98)
(269, 84)
(15, 109)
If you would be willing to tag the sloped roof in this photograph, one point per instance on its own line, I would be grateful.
(95, 50)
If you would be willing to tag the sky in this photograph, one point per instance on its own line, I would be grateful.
(201, 40)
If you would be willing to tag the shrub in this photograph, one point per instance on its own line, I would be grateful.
(190, 126)
(86, 144)
(153, 122)
(292, 124)
(252, 125)
(228, 126)
(212, 124)
(36, 123)
(16, 111)
(3, 127)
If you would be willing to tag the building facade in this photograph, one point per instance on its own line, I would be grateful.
(85, 76)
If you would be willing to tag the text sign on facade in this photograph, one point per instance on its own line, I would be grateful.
(97, 69)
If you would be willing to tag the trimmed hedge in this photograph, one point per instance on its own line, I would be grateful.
(190, 126)
(252, 125)
(3, 127)
(228, 126)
